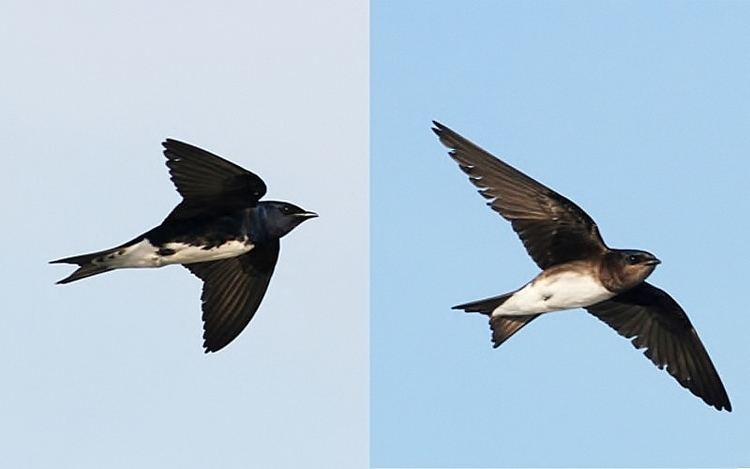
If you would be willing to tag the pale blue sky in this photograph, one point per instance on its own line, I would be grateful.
(639, 112)
(109, 371)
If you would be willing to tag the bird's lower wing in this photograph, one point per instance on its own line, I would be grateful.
(655, 321)
(232, 291)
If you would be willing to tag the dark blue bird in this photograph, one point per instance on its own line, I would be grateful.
(221, 232)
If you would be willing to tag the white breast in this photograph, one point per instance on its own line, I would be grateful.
(144, 254)
(564, 290)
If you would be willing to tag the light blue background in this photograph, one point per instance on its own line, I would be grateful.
(639, 112)
(109, 372)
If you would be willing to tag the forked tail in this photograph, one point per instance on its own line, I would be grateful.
(503, 327)
(88, 265)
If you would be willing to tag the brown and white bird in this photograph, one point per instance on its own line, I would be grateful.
(580, 271)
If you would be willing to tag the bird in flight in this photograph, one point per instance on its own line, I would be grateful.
(580, 271)
(221, 232)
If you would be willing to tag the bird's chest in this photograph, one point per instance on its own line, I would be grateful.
(563, 290)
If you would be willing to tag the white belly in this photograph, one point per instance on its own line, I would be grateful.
(566, 290)
(144, 254)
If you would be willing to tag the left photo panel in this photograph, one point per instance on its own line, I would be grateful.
(188, 283)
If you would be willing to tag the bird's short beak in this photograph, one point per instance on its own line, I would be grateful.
(653, 261)
(306, 215)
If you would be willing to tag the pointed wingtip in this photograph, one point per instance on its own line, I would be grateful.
(207, 348)
(168, 144)
(437, 128)
(174, 145)
(724, 405)
(211, 347)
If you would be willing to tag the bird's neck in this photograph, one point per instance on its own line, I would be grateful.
(255, 224)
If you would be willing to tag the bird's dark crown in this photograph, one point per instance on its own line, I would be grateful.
(282, 217)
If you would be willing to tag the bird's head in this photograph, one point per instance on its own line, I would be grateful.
(282, 217)
(628, 267)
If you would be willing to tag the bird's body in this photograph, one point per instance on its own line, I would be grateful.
(580, 271)
(221, 232)
(205, 240)
(571, 285)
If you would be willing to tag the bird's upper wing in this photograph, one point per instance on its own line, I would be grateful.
(207, 182)
(553, 229)
(655, 321)
(232, 291)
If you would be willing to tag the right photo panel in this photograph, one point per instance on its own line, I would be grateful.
(559, 220)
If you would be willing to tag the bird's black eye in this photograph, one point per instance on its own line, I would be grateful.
(632, 259)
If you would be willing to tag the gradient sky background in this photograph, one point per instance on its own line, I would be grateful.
(109, 371)
(639, 112)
